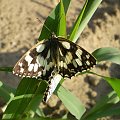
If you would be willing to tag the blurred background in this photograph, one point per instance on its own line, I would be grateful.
(20, 29)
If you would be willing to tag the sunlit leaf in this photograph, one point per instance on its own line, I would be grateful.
(107, 54)
(72, 103)
(87, 12)
(27, 92)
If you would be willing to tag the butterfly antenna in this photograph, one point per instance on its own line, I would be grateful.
(46, 27)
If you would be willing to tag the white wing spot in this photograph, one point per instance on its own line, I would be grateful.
(20, 64)
(67, 60)
(78, 62)
(68, 57)
(88, 63)
(60, 52)
(33, 76)
(48, 67)
(74, 63)
(87, 56)
(51, 64)
(40, 60)
(45, 63)
(44, 72)
(61, 64)
(28, 59)
(30, 68)
(48, 54)
(35, 67)
(21, 70)
(40, 48)
(84, 70)
(23, 76)
(66, 45)
(65, 66)
(28, 76)
(39, 73)
(20, 75)
(13, 72)
(79, 53)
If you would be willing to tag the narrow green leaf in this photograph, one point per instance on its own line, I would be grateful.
(107, 54)
(52, 21)
(27, 92)
(104, 107)
(84, 17)
(7, 69)
(39, 112)
(6, 92)
(37, 98)
(74, 106)
(43, 118)
(115, 83)
(107, 105)
(61, 29)
(74, 29)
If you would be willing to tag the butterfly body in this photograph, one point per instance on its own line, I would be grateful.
(54, 56)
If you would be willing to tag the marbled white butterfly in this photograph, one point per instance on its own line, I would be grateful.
(53, 59)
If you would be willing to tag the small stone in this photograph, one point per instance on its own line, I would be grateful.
(2, 45)
(93, 94)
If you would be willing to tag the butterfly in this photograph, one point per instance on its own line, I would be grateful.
(52, 59)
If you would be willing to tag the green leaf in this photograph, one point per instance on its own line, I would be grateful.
(77, 23)
(104, 107)
(52, 21)
(107, 105)
(43, 118)
(39, 112)
(28, 95)
(6, 92)
(115, 83)
(7, 69)
(88, 10)
(61, 29)
(74, 106)
(107, 54)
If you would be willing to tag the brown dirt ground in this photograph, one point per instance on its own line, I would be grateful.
(19, 30)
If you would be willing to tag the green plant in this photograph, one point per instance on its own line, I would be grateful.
(30, 94)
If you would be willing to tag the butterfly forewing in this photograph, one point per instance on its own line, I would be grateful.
(73, 58)
(36, 62)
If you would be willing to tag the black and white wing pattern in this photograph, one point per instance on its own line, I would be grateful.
(52, 58)
(36, 63)
(53, 82)
(73, 59)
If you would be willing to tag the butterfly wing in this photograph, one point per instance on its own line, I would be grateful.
(52, 57)
(53, 82)
(73, 58)
(35, 63)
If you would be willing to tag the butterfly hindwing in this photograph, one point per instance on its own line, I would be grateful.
(52, 84)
